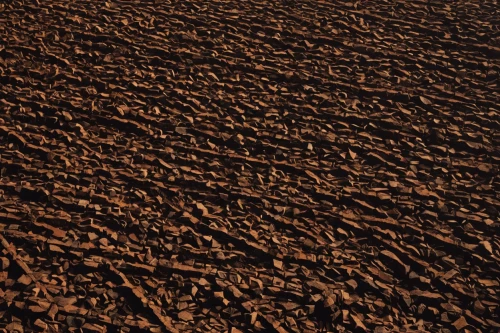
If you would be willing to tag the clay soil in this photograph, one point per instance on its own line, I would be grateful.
(249, 166)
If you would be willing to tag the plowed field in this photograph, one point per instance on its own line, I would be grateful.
(249, 166)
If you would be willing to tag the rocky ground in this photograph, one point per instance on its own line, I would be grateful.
(249, 166)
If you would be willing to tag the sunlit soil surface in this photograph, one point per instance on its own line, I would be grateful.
(249, 166)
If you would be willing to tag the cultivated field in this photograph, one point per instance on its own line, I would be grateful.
(249, 166)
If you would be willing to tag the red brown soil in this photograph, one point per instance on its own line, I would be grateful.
(246, 166)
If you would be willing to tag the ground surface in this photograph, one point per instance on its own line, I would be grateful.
(213, 166)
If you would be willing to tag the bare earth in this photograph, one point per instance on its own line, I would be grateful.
(249, 166)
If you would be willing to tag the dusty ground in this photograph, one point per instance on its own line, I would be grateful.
(200, 166)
